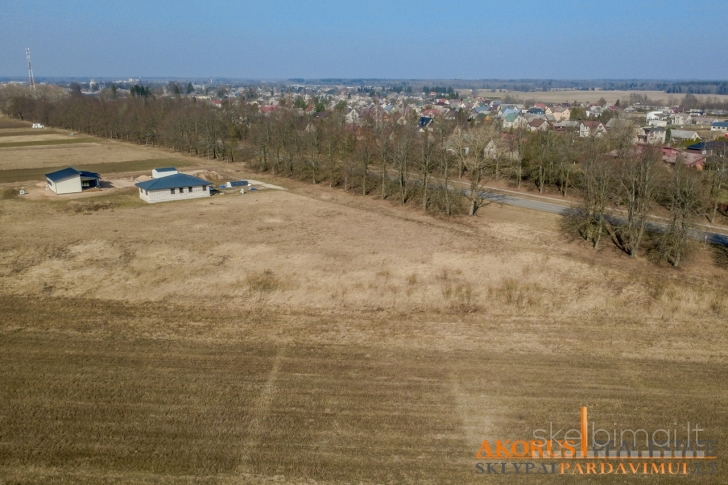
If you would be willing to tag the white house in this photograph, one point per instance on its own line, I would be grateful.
(173, 187)
(681, 119)
(158, 173)
(591, 128)
(653, 134)
(71, 181)
(38, 125)
(657, 118)
(719, 126)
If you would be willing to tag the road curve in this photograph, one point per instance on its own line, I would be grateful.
(708, 236)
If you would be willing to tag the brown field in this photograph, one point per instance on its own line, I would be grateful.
(590, 96)
(13, 132)
(37, 138)
(38, 174)
(316, 337)
(9, 123)
(87, 151)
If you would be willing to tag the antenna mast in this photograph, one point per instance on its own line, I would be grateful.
(31, 79)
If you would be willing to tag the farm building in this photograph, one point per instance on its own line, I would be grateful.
(158, 173)
(71, 181)
(173, 187)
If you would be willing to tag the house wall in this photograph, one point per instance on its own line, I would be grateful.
(67, 186)
(165, 195)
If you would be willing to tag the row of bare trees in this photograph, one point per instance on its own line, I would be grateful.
(636, 193)
(445, 168)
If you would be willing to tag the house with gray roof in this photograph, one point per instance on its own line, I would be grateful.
(684, 135)
(178, 186)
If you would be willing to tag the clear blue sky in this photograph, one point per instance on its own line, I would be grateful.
(559, 39)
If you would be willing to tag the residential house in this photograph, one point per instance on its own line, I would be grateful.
(684, 135)
(657, 118)
(702, 120)
(566, 125)
(720, 126)
(539, 124)
(561, 113)
(514, 121)
(351, 117)
(591, 128)
(709, 147)
(652, 135)
(424, 122)
(173, 187)
(690, 159)
(681, 119)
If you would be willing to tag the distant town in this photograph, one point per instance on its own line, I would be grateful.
(681, 121)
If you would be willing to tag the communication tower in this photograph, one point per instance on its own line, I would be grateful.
(31, 79)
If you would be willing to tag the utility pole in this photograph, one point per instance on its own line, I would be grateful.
(31, 79)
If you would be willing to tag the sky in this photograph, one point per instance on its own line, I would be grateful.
(398, 39)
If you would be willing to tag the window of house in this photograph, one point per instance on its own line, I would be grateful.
(171, 191)
(189, 189)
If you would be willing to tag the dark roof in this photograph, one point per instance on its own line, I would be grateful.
(709, 145)
(424, 121)
(172, 182)
(68, 173)
(719, 123)
(166, 169)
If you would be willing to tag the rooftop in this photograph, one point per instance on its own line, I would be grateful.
(172, 182)
(68, 173)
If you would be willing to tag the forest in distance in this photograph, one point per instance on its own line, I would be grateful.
(443, 168)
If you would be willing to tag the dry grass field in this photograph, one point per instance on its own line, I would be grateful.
(309, 336)
(21, 148)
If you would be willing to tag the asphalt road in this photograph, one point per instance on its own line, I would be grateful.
(711, 237)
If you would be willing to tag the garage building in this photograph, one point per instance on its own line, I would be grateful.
(71, 181)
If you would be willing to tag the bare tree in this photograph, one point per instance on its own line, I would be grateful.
(541, 153)
(401, 155)
(313, 161)
(384, 146)
(596, 187)
(716, 174)
(485, 145)
(638, 181)
(685, 197)
(427, 162)
(457, 144)
(364, 155)
(516, 147)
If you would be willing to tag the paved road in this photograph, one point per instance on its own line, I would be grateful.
(711, 237)
(527, 203)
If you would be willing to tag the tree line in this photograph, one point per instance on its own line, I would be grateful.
(444, 168)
